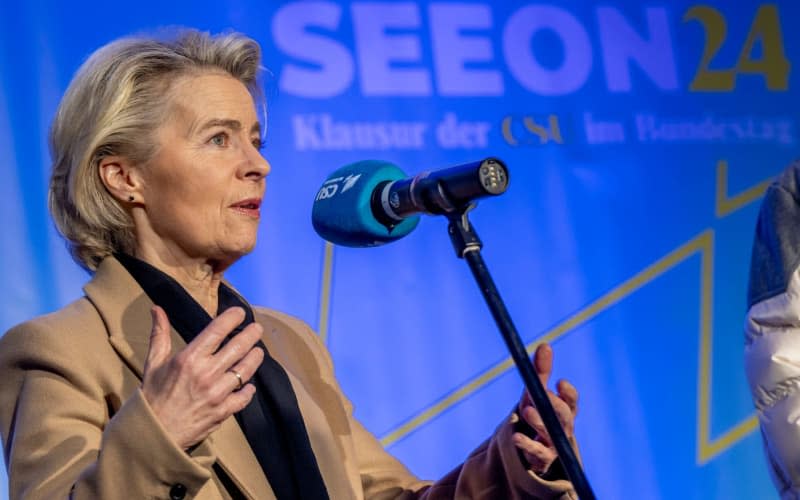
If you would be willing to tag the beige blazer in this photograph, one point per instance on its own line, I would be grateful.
(74, 422)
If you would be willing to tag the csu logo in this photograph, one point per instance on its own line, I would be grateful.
(330, 188)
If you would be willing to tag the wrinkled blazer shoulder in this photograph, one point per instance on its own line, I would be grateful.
(72, 336)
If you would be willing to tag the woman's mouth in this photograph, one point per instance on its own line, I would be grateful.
(250, 207)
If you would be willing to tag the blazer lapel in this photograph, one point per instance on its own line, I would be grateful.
(329, 456)
(235, 456)
(337, 473)
(125, 309)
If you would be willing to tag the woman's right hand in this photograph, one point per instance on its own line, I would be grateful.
(195, 390)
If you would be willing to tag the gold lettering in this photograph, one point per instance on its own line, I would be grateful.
(715, 27)
(507, 135)
(773, 64)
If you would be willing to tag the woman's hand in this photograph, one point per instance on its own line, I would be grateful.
(193, 392)
(539, 451)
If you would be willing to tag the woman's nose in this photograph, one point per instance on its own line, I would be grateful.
(257, 166)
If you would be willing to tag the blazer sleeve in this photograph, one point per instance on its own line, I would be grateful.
(493, 470)
(772, 331)
(61, 436)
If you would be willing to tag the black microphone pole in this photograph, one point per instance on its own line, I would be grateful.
(468, 246)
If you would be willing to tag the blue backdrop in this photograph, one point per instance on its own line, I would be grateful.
(639, 137)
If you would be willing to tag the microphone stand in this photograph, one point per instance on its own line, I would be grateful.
(468, 246)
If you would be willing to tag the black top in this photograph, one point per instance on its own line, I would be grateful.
(271, 421)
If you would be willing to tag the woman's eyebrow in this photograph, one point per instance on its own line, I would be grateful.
(234, 125)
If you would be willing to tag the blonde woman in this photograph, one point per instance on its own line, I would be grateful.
(162, 381)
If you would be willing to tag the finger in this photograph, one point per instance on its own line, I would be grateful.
(209, 340)
(246, 368)
(250, 363)
(525, 401)
(534, 419)
(238, 347)
(562, 411)
(236, 401)
(231, 403)
(569, 394)
(539, 456)
(563, 414)
(543, 362)
(237, 381)
(160, 344)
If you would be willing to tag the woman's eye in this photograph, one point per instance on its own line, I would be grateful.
(220, 139)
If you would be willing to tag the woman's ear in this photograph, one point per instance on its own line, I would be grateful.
(122, 179)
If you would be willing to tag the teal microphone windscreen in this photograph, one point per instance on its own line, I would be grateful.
(342, 211)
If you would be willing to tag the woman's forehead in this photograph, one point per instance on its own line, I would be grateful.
(197, 100)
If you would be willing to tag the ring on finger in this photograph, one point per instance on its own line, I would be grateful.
(238, 378)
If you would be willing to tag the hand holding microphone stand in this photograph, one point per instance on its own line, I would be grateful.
(468, 246)
(372, 202)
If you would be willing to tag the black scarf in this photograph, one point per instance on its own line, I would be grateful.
(271, 421)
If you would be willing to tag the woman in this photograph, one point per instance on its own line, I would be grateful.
(162, 382)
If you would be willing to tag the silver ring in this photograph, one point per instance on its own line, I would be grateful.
(238, 377)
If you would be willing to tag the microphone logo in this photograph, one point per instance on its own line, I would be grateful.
(350, 181)
(330, 188)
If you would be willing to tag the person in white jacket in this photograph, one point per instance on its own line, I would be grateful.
(772, 329)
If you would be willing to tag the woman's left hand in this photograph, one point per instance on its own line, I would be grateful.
(539, 451)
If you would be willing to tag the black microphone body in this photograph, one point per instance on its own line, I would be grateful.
(438, 192)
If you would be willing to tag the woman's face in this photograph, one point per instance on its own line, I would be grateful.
(202, 191)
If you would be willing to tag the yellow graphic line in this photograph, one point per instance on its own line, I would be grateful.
(604, 302)
(707, 448)
(711, 449)
(724, 204)
(705, 348)
(325, 293)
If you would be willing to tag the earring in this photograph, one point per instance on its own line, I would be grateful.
(130, 198)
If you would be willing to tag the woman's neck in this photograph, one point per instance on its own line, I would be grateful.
(198, 277)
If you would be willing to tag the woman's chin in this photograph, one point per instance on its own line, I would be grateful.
(239, 250)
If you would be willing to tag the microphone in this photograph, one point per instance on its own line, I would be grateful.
(372, 202)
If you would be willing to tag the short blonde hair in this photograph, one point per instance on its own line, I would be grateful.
(113, 106)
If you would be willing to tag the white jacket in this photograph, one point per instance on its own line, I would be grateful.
(772, 329)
